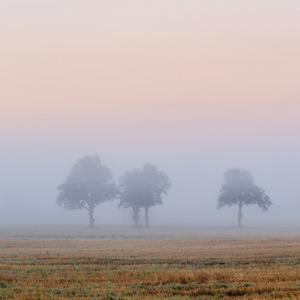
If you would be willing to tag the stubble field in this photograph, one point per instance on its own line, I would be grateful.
(152, 266)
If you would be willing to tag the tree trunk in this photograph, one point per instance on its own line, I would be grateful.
(240, 216)
(135, 216)
(91, 217)
(146, 217)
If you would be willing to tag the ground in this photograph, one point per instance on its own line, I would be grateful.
(175, 263)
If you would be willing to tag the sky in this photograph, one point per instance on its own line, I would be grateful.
(195, 87)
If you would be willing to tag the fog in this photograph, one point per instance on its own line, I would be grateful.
(29, 187)
(195, 89)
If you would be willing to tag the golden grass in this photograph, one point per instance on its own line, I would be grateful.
(150, 268)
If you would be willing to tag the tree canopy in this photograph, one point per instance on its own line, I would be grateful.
(89, 184)
(143, 189)
(239, 189)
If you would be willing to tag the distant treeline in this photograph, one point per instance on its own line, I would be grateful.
(91, 183)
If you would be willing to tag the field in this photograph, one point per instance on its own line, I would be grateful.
(175, 263)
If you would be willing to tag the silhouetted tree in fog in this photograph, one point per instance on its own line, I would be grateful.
(143, 189)
(88, 185)
(131, 193)
(239, 189)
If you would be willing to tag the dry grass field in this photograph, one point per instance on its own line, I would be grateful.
(156, 267)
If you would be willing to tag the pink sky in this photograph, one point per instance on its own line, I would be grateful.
(191, 71)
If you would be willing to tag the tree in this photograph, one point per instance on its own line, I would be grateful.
(131, 193)
(239, 189)
(89, 184)
(143, 189)
(157, 183)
